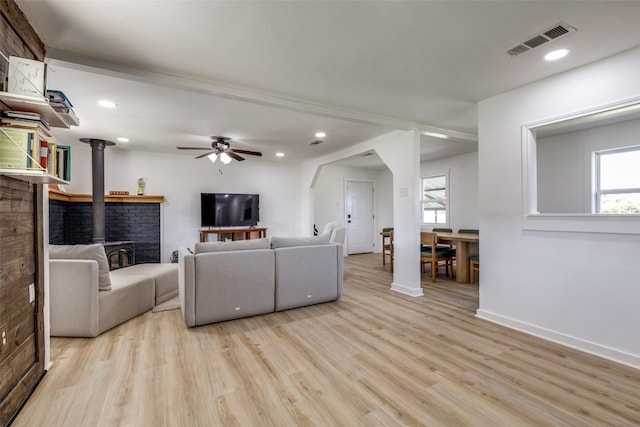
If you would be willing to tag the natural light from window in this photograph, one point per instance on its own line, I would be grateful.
(617, 181)
(434, 199)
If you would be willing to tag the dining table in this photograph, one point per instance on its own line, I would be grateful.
(466, 244)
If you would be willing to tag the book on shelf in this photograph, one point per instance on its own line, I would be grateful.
(17, 148)
(58, 97)
(44, 152)
(52, 164)
(25, 116)
(25, 124)
(63, 159)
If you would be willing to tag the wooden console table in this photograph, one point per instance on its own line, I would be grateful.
(244, 233)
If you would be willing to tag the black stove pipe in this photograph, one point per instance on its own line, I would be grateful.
(97, 173)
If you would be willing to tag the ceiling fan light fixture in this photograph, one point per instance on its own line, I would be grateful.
(213, 157)
(224, 158)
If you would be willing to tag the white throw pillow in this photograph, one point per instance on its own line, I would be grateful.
(92, 252)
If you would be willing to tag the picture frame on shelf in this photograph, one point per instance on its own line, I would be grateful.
(26, 76)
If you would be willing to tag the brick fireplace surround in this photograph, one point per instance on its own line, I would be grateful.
(127, 218)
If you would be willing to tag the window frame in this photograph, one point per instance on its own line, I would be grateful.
(447, 200)
(598, 192)
(532, 220)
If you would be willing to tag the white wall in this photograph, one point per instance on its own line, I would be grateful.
(580, 289)
(564, 164)
(181, 179)
(401, 153)
(463, 188)
(329, 197)
(384, 202)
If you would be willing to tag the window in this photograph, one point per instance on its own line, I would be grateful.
(617, 181)
(434, 200)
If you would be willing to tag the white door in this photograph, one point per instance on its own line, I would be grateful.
(359, 217)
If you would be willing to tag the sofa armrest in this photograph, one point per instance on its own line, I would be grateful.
(186, 286)
(73, 290)
(340, 268)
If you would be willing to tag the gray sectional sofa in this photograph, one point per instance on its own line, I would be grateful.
(86, 299)
(221, 281)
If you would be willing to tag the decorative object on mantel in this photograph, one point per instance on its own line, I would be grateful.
(118, 193)
(140, 186)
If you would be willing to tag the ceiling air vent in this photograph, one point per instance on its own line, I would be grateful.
(557, 31)
(315, 142)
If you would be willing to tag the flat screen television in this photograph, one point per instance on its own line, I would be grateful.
(229, 210)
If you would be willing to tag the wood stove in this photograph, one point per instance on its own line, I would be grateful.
(120, 254)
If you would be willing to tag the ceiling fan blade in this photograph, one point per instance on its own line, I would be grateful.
(252, 153)
(235, 156)
(205, 154)
(193, 148)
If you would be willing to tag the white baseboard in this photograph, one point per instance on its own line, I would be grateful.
(566, 340)
(412, 292)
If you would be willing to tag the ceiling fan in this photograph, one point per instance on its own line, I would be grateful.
(220, 147)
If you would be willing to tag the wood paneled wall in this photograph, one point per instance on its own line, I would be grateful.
(21, 250)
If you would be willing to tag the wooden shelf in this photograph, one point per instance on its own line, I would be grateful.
(34, 176)
(67, 197)
(235, 233)
(38, 105)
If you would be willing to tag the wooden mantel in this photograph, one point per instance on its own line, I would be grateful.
(55, 194)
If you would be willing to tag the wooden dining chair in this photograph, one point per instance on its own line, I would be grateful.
(435, 255)
(469, 231)
(437, 230)
(474, 266)
(387, 248)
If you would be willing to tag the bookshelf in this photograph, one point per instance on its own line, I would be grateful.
(40, 105)
(34, 176)
(37, 174)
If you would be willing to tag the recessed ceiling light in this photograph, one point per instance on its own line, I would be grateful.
(122, 139)
(320, 134)
(279, 154)
(556, 54)
(435, 134)
(107, 104)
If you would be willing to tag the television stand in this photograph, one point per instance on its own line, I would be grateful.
(235, 233)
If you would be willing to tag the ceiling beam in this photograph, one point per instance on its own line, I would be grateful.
(96, 66)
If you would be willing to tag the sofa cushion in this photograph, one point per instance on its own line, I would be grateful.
(287, 242)
(91, 252)
(131, 296)
(164, 274)
(236, 245)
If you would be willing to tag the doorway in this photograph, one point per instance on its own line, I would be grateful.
(359, 216)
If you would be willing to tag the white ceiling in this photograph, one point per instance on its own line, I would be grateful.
(270, 74)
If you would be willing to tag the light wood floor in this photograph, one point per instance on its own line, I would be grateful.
(374, 358)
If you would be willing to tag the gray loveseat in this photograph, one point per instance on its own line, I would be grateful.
(86, 299)
(228, 280)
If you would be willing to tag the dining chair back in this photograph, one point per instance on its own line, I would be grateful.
(387, 247)
(474, 266)
(435, 255)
